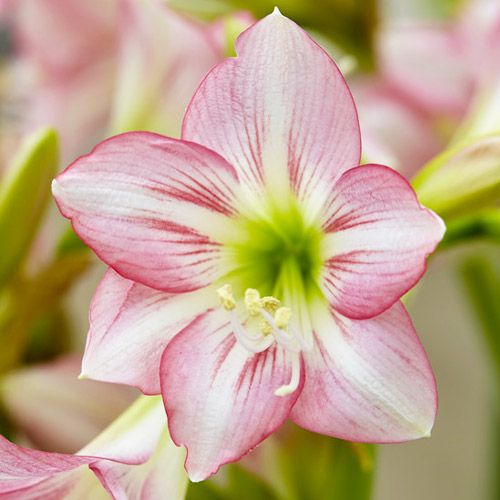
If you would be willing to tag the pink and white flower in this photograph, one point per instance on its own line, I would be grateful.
(256, 269)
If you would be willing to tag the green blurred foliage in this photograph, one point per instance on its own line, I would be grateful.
(295, 465)
(238, 484)
(481, 276)
(482, 281)
(24, 194)
(423, 10)
(349, 24)
(32, 324)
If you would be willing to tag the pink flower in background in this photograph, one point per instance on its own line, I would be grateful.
(72, 53)
(395, 130)
(256, 268)
(430, 75)
(69, 412)
(133, 458)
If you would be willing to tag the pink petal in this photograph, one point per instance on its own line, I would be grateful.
(69, 412)
(174, 52)
(76, 484)
(143, 457)
(151, 207)
(367, 380)
(162, 474)
(220, 397)
(379, 239)
(21, 468)
(118, 456)
(280, 110)
(69, 52)
(130, 326)
(395, 131)
(428, 63)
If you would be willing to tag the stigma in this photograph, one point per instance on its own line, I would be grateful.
(265, 322)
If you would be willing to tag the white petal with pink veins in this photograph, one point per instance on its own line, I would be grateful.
(220, 398)
(367, 380)
(378, 239)
(151, 207)
(280, 112)
(130, 326)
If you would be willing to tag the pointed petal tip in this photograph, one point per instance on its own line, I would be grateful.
(276, 11)
(442, 225)
(196, 477)
(56, 188)
(83, 376)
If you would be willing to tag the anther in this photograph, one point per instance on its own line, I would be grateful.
(252, 301)
(226, 297)
(282, 317)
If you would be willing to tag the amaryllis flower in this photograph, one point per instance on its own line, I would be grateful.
(256, 269)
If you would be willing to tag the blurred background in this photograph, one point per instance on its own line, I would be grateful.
(425, 75)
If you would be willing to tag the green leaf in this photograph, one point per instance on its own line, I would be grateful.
(24, 193)
(295, 465)
(236, 483)
(463, 179)
(484, 224)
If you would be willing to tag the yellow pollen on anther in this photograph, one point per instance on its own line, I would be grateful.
(226, 297)
(252, 301)
(270, 304)
(282, 317)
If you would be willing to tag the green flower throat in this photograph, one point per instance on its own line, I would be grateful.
(276, 254)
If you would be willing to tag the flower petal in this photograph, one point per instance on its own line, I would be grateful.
(77, 484)
(367, 380)
(220, 397)
(162, 474)
(428, 63)
(151, 207)
(130, 326)
(395, 131)
(125, 457)
(281, 110)
(22, 468)
(379, 237)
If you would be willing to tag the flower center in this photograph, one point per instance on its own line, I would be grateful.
(276, 252)
(264, 322)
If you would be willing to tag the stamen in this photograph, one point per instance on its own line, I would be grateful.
(226, 297)
(275, 324)
(305, 346)
(282, 317)
(281, 336)
(252, 301)
(292, 386)
(251, 344)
